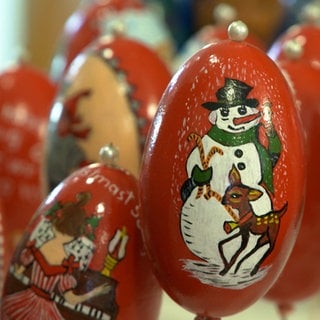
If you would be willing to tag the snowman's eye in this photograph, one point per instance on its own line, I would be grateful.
(242, 110)
(224, 112)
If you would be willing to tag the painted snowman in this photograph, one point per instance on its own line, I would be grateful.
(215, 222)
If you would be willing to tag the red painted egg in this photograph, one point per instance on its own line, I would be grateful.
(222, 179)
(82, 256)
(26, 95)
(306, 35)
(299, 279)
(107, 96)
(97, 18)
(4, 259)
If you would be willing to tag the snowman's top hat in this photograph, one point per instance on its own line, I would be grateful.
(233, 93)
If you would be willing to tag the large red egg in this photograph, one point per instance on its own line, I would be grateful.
(26, 95)
(299, 280)
(82, 256)
(222, 179)
(97, 18)
(107, 95)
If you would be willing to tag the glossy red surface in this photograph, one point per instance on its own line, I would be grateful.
(26, 95)
(307, 35)
(299, 279)
(185, 232)
(4, 255)
(97, 209)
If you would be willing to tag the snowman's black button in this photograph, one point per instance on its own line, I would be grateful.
(238, 153)
(241, 166)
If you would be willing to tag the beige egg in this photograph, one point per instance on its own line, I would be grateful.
(109, 95)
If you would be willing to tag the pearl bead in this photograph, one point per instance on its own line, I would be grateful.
(293, 49)
(109, 155)
(238, 31)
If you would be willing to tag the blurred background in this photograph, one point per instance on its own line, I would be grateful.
(36, 26)
(33, 29)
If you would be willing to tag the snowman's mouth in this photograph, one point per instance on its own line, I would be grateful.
(236, 129)
(246, 119)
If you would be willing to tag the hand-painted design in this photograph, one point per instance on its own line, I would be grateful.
(50, 278)
(134, 104)
(87, 225)
(230, 158)
(71, 127)
(116, 251)
(71, 122)
(267, 226)
(64, 141)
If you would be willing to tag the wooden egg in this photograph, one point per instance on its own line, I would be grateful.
(106, 96)
(222, 179)
(299, 280)
(305, 35)
(26, 95)
(82, 256)
(4, 254)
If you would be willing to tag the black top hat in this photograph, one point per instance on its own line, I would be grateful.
(234, 93)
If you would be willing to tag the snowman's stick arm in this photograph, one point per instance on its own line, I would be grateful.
(205, 164)
(203, 158)
(198, 140)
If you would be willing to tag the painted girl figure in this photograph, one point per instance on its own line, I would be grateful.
(50, 257)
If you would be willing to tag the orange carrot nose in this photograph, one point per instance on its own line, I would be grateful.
(246, 119)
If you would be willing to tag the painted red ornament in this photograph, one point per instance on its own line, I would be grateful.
(97, 18)
(305, 34)
(299, 280)
(82, 256)
(4, 256)
(107, 95)
(26, 95)
(221, 193)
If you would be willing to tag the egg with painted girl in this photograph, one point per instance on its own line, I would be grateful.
(82, 255)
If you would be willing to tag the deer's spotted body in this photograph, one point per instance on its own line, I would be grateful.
(238, 196)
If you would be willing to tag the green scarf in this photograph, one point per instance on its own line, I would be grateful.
(250, 136)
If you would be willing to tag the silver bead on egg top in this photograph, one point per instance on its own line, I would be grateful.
(238, 31)
(109, 155)
(293, 49)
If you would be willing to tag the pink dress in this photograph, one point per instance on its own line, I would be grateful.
(35, 302)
